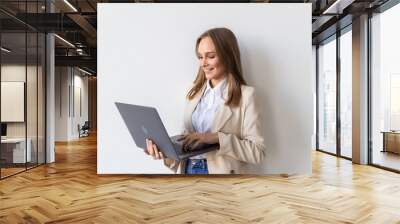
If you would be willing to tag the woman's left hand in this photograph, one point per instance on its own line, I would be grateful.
(194, 139)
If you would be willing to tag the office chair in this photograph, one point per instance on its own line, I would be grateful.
(84, 130)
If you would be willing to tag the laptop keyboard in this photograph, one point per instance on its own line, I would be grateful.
(188, 148)
(181, 148)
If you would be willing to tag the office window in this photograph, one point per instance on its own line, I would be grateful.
(385, 82)
(346, 94)
(327, 96)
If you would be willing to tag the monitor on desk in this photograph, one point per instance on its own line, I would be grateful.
(3, 130)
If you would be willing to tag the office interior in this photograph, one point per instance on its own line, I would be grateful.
(48, 82)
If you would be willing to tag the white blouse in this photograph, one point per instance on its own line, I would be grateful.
(210, 102)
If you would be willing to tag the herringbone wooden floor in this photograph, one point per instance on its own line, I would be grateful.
(70, 191)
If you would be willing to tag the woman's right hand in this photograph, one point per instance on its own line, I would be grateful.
(152, 150)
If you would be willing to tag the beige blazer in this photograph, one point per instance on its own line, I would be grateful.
(239, 133)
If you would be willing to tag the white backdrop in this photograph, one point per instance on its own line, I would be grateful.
(146, 56)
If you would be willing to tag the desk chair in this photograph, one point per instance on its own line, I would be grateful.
(84, 130)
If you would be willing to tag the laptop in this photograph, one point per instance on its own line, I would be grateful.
(145, 122)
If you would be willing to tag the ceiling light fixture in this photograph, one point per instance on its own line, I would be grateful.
(329, 9)
(337, 7)
(79, 51)
(5, 50)
(64, 40)
(84, 71)
(70, 5)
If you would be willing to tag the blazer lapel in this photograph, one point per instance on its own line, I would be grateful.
(221, 117)
(191, 105)
(223, 114)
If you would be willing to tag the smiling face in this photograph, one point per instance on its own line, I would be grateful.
(209, 61)
(219, 58)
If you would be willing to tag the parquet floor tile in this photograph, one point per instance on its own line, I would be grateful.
(70, 191)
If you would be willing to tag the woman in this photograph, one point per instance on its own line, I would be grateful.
(221, 109)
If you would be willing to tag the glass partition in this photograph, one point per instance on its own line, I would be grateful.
(41, 107)
(22, 77)
(31, 100)
(13, 109)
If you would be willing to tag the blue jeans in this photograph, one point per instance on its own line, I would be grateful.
(196, 166)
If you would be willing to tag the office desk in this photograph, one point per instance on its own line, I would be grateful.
(391, 141)
(13, 150)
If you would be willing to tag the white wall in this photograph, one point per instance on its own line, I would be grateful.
(67, 117)
(153, 63)
(61, 103)
(80, 102)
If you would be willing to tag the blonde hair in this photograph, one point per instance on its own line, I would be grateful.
(227, 49)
